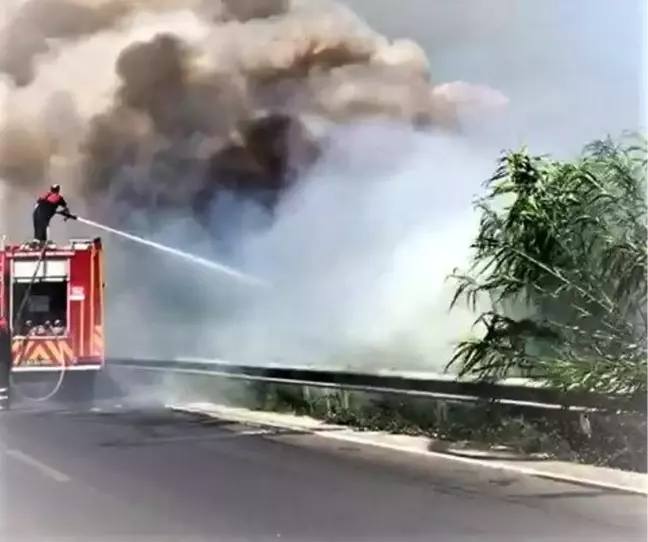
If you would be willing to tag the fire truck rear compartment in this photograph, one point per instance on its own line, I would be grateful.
(44, 304)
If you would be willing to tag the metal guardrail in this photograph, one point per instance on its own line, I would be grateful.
(519, 392)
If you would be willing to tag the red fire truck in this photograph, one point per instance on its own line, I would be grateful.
(51, 299)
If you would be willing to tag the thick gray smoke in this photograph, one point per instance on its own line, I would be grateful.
(294, 141)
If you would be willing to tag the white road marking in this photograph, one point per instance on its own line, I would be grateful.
(46, 470)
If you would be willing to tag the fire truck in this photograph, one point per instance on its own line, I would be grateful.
(52, 304)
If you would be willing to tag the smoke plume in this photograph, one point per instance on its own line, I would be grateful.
(286, 137)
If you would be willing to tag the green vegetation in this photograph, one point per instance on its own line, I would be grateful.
(561, 258)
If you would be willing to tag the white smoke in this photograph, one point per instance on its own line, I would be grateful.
(363, 264)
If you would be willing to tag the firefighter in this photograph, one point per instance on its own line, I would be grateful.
(46, 207)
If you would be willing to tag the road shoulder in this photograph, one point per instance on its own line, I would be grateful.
(586, 475)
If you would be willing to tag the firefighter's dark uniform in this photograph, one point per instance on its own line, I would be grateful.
(45, 208)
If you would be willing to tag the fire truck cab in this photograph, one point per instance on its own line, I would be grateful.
(52, 301)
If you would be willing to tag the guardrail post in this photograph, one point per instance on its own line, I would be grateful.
(345, 400)
(5, 367)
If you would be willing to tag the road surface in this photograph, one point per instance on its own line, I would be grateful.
(129, 473)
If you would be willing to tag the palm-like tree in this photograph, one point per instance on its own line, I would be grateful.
(561, 256)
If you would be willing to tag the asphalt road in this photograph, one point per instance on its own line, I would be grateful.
(148, 473)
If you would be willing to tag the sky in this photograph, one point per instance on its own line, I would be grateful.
(573, 69)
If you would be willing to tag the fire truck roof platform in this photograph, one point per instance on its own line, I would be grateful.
(35, 250)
